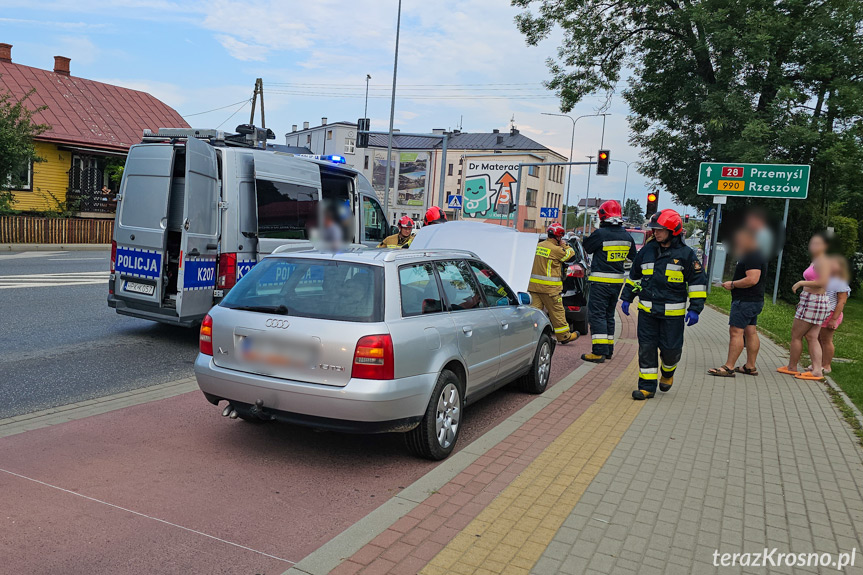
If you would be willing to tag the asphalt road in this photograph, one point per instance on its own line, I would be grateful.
(60, 342)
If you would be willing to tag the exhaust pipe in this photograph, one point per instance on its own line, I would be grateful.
(233, 414)
(227, 410)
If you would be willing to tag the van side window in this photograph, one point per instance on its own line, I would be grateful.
(286, 211)
(419, 290)
(374, 221)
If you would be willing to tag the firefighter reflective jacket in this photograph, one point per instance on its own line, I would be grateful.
(610, 245)
(663, 279)
(396, 241)
(545, 277)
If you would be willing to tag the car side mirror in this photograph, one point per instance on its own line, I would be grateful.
(524, 298)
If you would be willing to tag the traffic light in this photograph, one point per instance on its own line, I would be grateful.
(652, 204)
(602, 160)
(363, 139)
(686, 218)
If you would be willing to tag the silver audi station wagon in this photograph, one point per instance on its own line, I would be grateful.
(371, 340)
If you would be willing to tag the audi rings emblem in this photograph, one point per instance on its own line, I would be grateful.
(279, 323)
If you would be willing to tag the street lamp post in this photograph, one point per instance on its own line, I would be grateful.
(571, 147)
(366, 109)
(625, 181)
(392, 114)
(587, 200)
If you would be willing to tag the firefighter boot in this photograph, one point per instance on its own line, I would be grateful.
(665, 383)
(572, 337)
(592, 357)
(640, 394)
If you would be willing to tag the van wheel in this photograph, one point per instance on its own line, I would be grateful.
(436, 435)
(536, 380)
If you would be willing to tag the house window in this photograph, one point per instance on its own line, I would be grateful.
(533, 171)
(350, 145)
(366, 164)
(308, 139)
(23, 179)
(529, 224)
(449, 171)
(329, 134)
(530, 199)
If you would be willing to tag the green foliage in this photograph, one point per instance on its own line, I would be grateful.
(756, 81)
(65, 208)
(17, 130)
(633, 212)
(571, 217)
(844, 239)
(114, 171)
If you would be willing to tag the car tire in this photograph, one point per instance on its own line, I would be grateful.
(536, 380)
(582, 327)
(436, 435)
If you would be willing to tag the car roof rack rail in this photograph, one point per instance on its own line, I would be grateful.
(247, 136)
(401, 254)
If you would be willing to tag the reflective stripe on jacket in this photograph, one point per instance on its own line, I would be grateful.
(610, 246)
(545, 276)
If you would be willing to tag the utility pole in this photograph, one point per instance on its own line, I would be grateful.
(366, 109)
(392, 113)
(259, 91)
(587, 199)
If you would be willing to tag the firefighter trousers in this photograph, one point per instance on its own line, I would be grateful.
(601, 305)
(553, 304)
(658, 334)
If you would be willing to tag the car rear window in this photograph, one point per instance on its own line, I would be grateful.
(637, 237)
(322, 289)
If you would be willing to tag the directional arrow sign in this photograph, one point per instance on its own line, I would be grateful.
(754, 180)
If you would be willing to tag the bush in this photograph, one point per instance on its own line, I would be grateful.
(844, 240)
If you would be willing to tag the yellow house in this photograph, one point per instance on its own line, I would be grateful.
(92, 126)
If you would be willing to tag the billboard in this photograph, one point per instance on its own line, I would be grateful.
(379, 173)
(487, 185)
(412, 179)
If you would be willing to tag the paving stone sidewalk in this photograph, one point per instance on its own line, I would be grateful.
(733, 465)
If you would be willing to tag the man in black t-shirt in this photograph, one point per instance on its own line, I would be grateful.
(747, 301)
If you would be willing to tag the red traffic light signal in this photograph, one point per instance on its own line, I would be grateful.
(602, 161)
(652, 203)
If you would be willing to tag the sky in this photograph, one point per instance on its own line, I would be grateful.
(462, 63)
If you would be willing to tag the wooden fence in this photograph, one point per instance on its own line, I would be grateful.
(34, 230)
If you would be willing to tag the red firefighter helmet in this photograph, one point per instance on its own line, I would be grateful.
(406, 222)
(434, 215)
(609, 209)
(667, 220)
(555, 230)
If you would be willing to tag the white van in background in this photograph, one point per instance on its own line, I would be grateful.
(198, 208)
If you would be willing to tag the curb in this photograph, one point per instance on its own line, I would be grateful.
(54, 247)
(331, 554)
(835, 386)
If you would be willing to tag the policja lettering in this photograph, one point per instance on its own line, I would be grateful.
(137, 264)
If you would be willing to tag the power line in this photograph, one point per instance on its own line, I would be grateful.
(214, 109)
(245, 103)
(421, 96)
(387, 87)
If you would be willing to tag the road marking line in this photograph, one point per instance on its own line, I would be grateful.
(75, 259)
(148, 517)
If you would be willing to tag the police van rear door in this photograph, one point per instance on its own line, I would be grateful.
(141, 222)
(288, 194)
(196, 277)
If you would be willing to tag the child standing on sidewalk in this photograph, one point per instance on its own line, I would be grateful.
(838, 291)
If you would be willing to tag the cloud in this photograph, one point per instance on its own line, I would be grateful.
(241, 50)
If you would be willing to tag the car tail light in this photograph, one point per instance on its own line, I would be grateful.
(205, 341)
(113, 255)
(573, 308)
(373, 358)
(227, 271)
(575, 271)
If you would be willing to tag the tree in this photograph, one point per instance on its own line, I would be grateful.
(571, 216)
(633, 212)
(17, 130)
(711, 80)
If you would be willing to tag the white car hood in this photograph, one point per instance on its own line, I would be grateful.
(508, 252)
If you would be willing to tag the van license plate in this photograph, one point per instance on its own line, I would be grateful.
(146, 289)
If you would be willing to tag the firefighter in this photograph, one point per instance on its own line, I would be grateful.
(402, 239)
(610, 245)
(546, 281)
(665, 272)
(434, 215)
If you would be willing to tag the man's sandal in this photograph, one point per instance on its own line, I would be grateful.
(746, 370)
(807, 375)
(722, 371)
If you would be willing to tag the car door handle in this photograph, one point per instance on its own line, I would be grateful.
(504, 324)
(468, 330)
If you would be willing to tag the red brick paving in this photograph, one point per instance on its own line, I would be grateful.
(429, 527)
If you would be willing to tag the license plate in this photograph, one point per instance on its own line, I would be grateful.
(135, 287)
(274, 353)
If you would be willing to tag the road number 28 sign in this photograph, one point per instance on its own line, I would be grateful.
(753, 180)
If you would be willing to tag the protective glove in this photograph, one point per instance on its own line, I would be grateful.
(691, 318)
(624, 307)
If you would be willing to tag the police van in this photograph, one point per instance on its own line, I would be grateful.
(198, 208)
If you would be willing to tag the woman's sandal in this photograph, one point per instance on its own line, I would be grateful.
(807, 375)
(787, 371)
(746, 370)
(721, 371)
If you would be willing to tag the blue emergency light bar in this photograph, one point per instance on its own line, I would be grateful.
(334, 159)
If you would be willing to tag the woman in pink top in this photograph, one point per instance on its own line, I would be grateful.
(812, 309)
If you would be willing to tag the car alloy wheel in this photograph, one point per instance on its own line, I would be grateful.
(448, 415)
(543, 364)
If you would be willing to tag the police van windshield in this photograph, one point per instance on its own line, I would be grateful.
(322, 289)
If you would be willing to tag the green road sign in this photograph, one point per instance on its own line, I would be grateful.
(753, 180)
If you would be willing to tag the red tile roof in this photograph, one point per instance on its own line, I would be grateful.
(85, 112)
